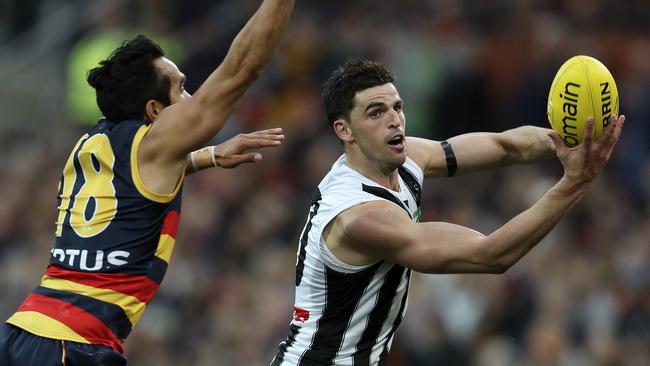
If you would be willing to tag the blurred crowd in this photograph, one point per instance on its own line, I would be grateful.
(582, 297)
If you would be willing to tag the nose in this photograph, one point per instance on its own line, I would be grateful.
(394, 119)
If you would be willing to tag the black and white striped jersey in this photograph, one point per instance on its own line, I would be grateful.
(345, 314)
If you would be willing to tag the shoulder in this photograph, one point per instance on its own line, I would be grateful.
(370, 219)
(372, 224)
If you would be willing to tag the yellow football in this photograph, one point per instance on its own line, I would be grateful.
(582, 88)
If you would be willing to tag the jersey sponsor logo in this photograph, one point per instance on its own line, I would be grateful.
(82, 258)
(300, 315)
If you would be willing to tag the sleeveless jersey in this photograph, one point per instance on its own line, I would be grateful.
(345, 314)
(114, 239)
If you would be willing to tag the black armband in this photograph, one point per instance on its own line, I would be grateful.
(450, 157)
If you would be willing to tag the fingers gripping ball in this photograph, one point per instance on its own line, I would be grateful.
(582, 88)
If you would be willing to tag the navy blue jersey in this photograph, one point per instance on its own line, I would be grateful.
(114, 239)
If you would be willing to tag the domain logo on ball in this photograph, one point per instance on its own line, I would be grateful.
(582, 88)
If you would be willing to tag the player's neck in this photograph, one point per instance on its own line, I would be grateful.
(385, 177)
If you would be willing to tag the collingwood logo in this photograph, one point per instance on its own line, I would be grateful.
(570, 110)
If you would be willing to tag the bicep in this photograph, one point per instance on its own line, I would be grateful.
(382, 231)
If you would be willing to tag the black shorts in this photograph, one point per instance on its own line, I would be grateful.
(21, 348)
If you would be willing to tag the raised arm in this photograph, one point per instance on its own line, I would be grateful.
(481, 150)
(382, 230)
(186, 126)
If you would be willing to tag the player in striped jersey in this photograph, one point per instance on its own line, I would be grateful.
(119, 197)
(363, 236)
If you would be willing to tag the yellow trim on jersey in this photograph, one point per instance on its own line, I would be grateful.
(44, 326)
(133, 308)
(165, 247)
(135, 171)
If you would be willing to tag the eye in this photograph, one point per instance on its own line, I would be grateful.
(375, 114)
(398, 108)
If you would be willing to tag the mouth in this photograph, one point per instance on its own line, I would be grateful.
(397, 142)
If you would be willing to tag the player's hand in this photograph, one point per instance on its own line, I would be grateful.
(583, 162)
(235, 151)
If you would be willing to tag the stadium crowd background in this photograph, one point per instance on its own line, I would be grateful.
(582, 297)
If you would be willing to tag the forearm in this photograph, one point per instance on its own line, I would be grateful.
(481, 151)
(249, 53)
(253, 46)
(509, 243)
(526, 144)
(194, 122)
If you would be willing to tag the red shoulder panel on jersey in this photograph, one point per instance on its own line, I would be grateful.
(170, 224)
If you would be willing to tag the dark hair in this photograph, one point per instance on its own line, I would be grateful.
(353, 76)
(128, 79)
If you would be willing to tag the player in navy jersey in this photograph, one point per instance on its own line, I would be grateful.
(119, 197)
(363, 236)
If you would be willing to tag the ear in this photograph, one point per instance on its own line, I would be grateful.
(152, 109)
(343, 130)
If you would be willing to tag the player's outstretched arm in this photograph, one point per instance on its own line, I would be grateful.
(382, 230)
(233, 152)
(480, 151)
(186, 126)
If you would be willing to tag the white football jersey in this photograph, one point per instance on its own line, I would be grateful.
(346, 314)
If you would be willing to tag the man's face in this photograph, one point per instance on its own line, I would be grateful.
(377, 123)
(177, 92)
